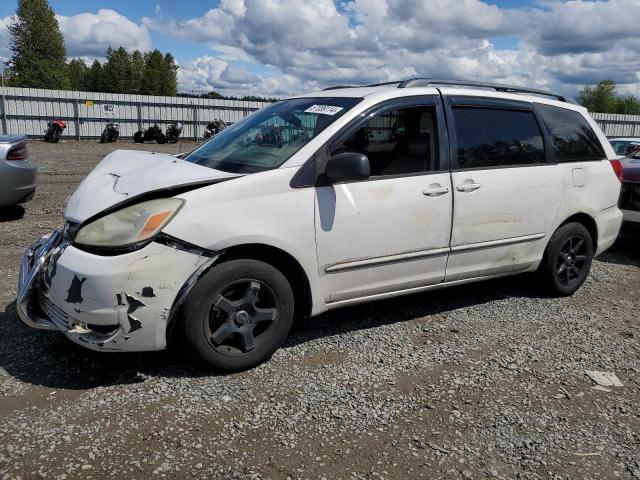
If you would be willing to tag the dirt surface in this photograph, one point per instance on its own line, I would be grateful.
(482, 381)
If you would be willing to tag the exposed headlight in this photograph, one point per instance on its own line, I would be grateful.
(130, 225)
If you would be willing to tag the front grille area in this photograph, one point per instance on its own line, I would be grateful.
(630, 197)
(51, 311)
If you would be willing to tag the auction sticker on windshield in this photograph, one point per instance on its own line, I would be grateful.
(323, 109)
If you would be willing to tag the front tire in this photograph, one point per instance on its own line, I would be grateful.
(567, 259)
(238, 314)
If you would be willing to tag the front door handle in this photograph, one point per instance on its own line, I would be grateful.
(435, 190)
(467, 187)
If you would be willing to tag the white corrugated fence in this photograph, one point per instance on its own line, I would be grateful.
(615, 125)
(27, 111)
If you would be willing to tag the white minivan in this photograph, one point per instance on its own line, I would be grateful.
(328, 199)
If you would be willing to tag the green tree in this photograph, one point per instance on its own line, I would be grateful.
(604, 98)
(39, 55)
(78, 74)
(152, 76)
(95, 77)
(137, 71)
(117, 71)
(169, 83)
(629, 105)
(600, 98)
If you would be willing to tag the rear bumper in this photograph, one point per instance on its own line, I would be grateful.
(631, 215)
(18, 182)
(114, 303)
(608, 222)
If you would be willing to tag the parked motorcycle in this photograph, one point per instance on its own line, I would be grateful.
(153, 133)
(54, 131)
(270, 136)
(214, 128)
(173, 132)
(110, 133)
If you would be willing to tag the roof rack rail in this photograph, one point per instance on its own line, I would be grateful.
(338, 87)
(382, 84)
(499, 87)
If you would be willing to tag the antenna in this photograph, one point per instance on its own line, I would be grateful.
(195, 125)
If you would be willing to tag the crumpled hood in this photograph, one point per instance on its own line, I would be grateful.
(126, 174)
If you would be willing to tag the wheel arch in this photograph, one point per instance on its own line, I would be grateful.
(283, 261)
(274, 256)
(589, 223)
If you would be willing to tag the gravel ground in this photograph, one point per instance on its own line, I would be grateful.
(481, 381)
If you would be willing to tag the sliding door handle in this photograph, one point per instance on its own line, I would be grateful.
(435, 191)
(468, 187)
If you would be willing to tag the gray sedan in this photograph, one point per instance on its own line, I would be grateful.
(17, 172)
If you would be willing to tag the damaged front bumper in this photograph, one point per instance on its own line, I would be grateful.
(117, 303)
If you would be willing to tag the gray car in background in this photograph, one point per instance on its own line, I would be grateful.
(17, 173)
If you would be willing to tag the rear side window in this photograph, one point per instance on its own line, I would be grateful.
(490, 137)
(573, 138)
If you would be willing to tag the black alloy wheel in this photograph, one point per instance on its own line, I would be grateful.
(238, 314)
(567, 259)
(241, 316)
(571, 260)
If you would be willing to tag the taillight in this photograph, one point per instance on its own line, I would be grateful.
(18, 153)
(617, 168)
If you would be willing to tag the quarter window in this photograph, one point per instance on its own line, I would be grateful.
(490, 137)
(573, 138)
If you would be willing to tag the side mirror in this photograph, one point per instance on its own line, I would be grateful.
(347, 167)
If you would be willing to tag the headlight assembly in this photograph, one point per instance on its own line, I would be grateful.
(129, 226)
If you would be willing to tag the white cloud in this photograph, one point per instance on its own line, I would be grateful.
(562, 45)
(4, 39)
(578, 26)
(89, 34)
(207, 73)
(306, 45)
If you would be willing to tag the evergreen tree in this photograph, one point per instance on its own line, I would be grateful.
(78, 74)
(39, 55)
(169, 85)
(152, 78)
(95, 77)
(117, 71)
(137, 71)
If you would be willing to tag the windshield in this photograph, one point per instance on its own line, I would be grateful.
(269, 137)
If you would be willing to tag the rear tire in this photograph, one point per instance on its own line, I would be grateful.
(567, 259)
(238, 314)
